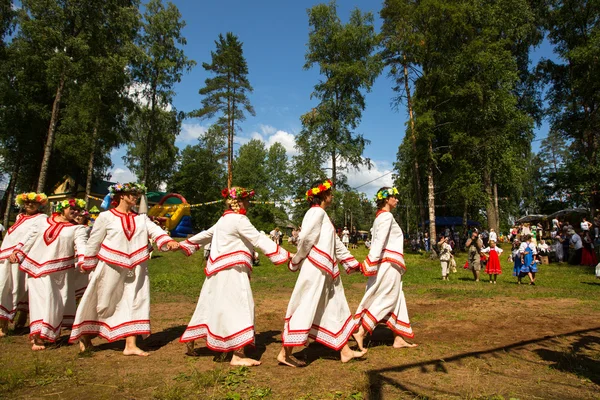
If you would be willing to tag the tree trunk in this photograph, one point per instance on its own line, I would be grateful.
(232, 135)
(465, 224)
(413, 137)
(431, 197)
(51, 134)
(489, 198)
(10, 191)
(229, 143)
(496, 209)
(90, 170)
(151, 132)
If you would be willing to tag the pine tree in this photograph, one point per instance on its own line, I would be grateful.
(345, 54)
(227, 92)
(160, 66)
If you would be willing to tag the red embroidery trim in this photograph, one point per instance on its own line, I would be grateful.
(54, 230)
(22, 218)
(127, 222)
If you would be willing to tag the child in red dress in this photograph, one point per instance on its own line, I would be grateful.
(493, 268)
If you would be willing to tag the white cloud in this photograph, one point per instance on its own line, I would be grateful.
(270, 135)
(191, 132)
(139, 93)
(369, 181)
(267, 129)
(287, 139)
(122, 175)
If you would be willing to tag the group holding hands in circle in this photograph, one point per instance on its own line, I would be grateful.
(42, 260)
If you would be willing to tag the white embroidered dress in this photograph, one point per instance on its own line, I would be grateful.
(318, 308)
(384, 300)
(13, 291)
(224, 314)
(116, 303)
(48, 258)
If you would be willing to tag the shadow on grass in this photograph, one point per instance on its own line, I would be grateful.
(160, 339)
(572, 362)
(262, 340)
(315, 351)
(591, 283)
(154, 342)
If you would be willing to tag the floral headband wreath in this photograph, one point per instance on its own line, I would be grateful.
(385, 193)
(130, 187)
(323, 187)
(70, 203)
(31, 197)
(237, 192)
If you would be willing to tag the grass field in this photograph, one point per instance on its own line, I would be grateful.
(476, 341)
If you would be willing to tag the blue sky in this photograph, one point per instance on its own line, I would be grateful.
(274, 35)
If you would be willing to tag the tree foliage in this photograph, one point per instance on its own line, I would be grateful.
(160, 64)
(345, 55)
(227, 92)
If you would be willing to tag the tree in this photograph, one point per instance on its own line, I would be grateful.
(345, 54)
(161, 64)
(201, 175)
(227, 92)
(100, 103)
(574, 93)
(153, 156)
(466, 58)
(277, 168)
(251, 172)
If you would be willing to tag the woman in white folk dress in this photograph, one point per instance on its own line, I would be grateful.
(384, 300)
(48, 258)
(318, 308)
(13, 291)
(116, 303)
(224, 315)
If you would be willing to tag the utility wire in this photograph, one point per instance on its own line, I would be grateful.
(373, 180)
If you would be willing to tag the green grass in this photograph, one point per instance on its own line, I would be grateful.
(174, 274)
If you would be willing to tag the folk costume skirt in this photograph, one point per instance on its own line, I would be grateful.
(318, 310)
(13, 290)
(224, 315)
(51, 304)
(116, 303)
(493, 265)
(384, 302)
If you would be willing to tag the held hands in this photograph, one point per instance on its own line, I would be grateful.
(172, 245)
(13, 258)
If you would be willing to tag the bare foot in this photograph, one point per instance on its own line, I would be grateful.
(400, 343)
(135, 351)
(21, 320)
(346, 354)
(243, 361)
(3, 327)
(37, 347)
(286, 358)
(190, 348)
(85, 343)
(359, 336)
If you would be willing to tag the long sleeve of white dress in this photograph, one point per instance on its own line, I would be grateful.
(94, 242)
(193, 244)
(387, 245)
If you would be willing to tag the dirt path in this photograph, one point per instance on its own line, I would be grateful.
(476, 349)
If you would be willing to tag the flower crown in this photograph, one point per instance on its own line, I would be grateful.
(385, 193)
(323, 187)
(126, 187)
(32, 197)
(72, 203)
(237, 192)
